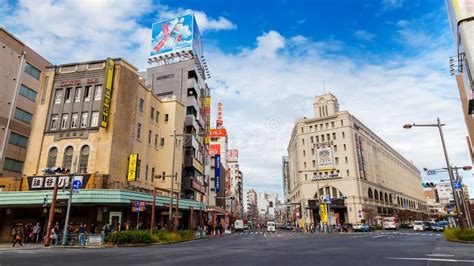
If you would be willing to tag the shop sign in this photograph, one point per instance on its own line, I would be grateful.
(323, 212)
(217, 132)
(196, 185)
(48, 182)
(214, 149)
(132, 167)
(108, 92)
(326, 176)
(217, 173)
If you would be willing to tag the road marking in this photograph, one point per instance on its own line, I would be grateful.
(279, 235)
(265, 235)
(431, 259)
(439, 255)
(377, 236)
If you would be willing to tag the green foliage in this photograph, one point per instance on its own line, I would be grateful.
(459, 234)
(129, 237)
(171, 237)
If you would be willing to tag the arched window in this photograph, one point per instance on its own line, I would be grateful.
(371, 196)
(67, 161)
(376, 194)
(84, 159)
(52, 155)
(386, 197)
(381, 195)
(390, 198)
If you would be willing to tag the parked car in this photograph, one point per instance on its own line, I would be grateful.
(421, 226)
(361, 228)
(440, 226)
(271, 226)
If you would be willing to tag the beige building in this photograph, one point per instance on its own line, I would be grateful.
(21, 72)
(334, 156)
(76, 121)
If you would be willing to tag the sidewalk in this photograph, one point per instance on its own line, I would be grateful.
(8, 246)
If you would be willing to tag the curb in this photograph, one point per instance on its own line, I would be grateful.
(460, 241)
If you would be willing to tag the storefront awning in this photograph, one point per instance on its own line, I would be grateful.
(95, 196)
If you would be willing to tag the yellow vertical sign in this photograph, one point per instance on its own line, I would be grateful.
(323, 212)
(109, 76)
(132, 167)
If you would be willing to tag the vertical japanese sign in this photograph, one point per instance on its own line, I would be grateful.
(109, 76)
(323, 213)
(208, 118)
(217, 172)
(132, 167)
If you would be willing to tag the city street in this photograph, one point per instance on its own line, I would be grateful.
(257, 247)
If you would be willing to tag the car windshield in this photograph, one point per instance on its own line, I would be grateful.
(418, 223)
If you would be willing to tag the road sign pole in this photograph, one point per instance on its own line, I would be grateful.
(68, 212)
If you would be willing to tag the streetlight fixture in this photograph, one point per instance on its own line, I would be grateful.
(439, 125)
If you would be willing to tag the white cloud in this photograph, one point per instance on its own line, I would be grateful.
(364, 35)
(205, 22)
(280, 86)
(392, 4)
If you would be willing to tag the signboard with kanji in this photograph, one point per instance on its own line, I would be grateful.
(48, 182)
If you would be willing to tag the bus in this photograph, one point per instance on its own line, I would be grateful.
(390, 223)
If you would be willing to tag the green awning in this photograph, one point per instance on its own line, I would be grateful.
(93, 196)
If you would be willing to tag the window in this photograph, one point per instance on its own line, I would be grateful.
(58, 95)
(322, 138)
(67, 160)
(139, 167)
(146, 172)
(153, 174)
(386, 197)
(347, 172)
(141, 103)
(95, 119)
(77, 97)
(157, 116)
(344, 147)
(312, 139)
(370, 193)
(376, 194)
(345, 158)
(149, 136)
(52, 155)
(337, 160)
(312, 151)
(98, 93)
(27, 92)
(87, 93)
(54, 122)
(18, 140)
(381, 195)
(67, 95)
(328, 136)
(302, 140)
(74, 121)
(152, 113)
(162, 142)
(139, 129)
(32, 71)
(343, 135)
(314, 163)
(332, 124)
(317, 139)
(335, 148)
(163, 175)
(166, 117)
(304, 153)
(64, 121)
(13, 165)
(84, 159)
(156, 140)
(333, 136)
(84, 118)
(304, 164)
(342, 123)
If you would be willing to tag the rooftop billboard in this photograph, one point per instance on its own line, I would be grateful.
(175, 35)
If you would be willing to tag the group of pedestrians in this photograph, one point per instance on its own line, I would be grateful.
(29, 234)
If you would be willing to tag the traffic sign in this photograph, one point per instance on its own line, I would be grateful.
(430, 172)
(327, 199)
(457, 185)
(76, 184)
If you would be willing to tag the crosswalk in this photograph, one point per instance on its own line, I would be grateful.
(392, 235)
(262, 233)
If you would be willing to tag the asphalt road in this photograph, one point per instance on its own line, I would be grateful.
(262, 248)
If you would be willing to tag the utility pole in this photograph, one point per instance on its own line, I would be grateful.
(170, 219)
(463, 200)
(68, 212)
(51, 216)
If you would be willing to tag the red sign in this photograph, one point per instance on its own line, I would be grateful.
(233, 155)
(217, 132)
(71, 82)
(214, 149)
(92, 80)
(196, 185)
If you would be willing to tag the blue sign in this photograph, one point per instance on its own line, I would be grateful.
(450, 210)
(327, 199)
(217, 173)
(137, 206)
(431, 172)
(457, 185)
(76, 184)
(175, 35)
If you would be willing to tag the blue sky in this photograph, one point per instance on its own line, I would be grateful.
(386, 61)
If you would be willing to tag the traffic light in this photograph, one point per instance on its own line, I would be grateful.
(45, 201)
(429, 184)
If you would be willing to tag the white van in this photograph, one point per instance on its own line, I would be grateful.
(270, 226)
(239, 225)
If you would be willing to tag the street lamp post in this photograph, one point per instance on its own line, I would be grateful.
(439, 125)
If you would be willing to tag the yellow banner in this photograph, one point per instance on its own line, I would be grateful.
(323, 212)
(108, 92)
(132, 167)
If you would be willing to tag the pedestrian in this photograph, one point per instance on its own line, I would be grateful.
(17, 236)
(36, 232)
(82, 232)
(57, 231)
(54, 237)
